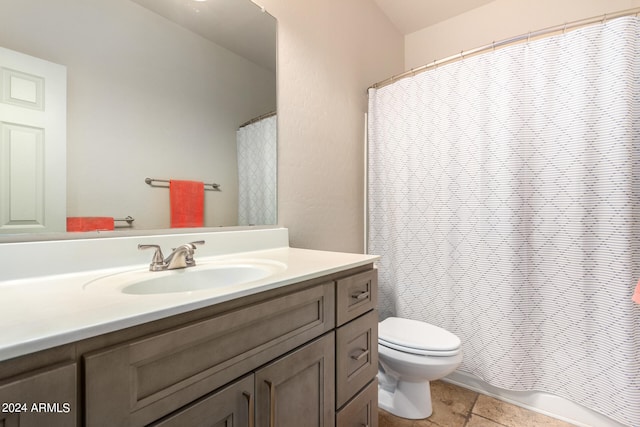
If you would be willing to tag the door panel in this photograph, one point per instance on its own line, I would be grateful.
(32, 144)
(298, 389)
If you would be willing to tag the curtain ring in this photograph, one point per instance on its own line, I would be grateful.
(604, 18)
(462, 54)
(564, 29)
(529, 37)
(493, 45)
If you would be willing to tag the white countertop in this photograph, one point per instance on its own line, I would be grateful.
(43, 312)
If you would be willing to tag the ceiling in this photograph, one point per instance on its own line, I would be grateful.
(220, 20)
(412, 15)
(239, 26)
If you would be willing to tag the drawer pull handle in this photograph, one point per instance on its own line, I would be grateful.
(363, 353)
(249, 397)
(272, 404)
(360, 295)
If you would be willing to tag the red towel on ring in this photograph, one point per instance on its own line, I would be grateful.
(89, 223)
(187, 203)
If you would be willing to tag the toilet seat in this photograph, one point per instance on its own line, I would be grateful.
(416, 337)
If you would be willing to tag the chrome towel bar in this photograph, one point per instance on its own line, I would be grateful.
(153, 182)
(129, 220)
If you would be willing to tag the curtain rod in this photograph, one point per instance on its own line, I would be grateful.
(257, 119)
(503, 43)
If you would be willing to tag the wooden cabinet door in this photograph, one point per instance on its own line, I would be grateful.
(45, 397)
(298, 389)
(230, 407)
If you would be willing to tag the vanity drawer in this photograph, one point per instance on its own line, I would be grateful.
(355, 295)
(136, 383)
(55, 388)
(362, 410)
(356, 356)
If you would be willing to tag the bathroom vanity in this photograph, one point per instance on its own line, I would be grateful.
(298, 348)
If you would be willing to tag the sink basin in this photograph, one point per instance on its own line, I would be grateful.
(198, 278)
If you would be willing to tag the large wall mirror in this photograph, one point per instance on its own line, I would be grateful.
(160, 89)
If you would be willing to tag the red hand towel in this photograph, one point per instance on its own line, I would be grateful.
(187, 203)
(636, 295)
(89, 223)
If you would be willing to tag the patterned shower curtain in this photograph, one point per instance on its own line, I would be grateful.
(504, 199)
(257, 173)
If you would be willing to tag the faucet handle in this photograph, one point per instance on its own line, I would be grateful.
(198, 242)
(190, 245)
(157, 263)
(189, 257)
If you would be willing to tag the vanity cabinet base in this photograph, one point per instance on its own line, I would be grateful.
(303, 354)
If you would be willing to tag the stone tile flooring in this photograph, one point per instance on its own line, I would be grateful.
(455, 406)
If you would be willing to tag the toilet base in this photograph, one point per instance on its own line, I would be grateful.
(410, 400)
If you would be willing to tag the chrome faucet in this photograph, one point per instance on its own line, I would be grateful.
(181, 257)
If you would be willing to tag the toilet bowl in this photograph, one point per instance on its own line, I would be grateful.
(411, 354)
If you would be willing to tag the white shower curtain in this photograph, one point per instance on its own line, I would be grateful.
(504, 200)
(257, 173)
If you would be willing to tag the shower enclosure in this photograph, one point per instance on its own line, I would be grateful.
(504, 199)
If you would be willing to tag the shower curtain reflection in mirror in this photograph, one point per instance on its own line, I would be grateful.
(257, 176)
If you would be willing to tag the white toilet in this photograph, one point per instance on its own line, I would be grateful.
(412, 353)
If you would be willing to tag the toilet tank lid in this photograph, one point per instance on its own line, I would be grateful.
(417, 335)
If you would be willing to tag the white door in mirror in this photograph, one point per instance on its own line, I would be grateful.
(33, 103)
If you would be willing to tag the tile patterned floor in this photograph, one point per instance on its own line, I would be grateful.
(455, 406)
